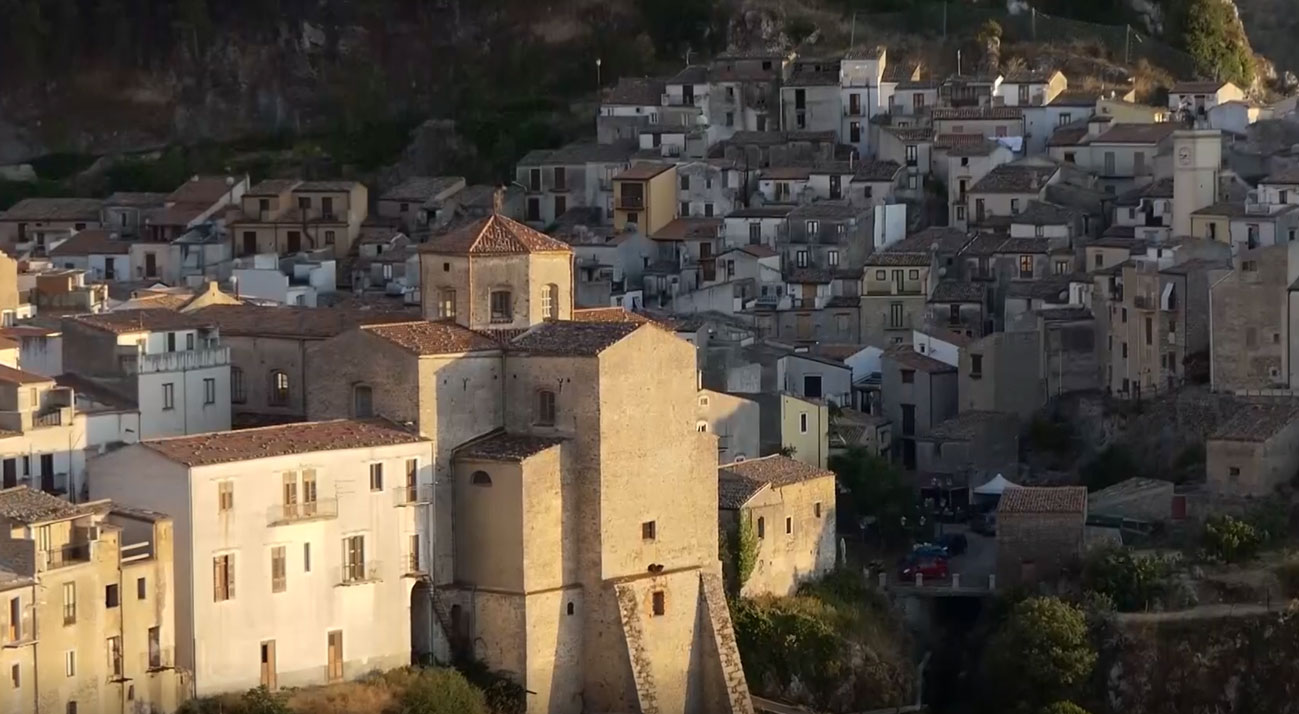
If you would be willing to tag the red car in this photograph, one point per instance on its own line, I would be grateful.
(930, 567)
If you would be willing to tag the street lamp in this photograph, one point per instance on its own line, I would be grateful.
(598, 83)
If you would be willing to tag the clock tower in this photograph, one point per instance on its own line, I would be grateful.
(1197, 160)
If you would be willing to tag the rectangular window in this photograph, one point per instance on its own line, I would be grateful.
(648, 530)
(223, 578)
(658, 603)
(69, 603)
(306, 557)
(446, 304)
(334, 656)
(278, 569)
(209, 390)
(895, 314)
(376, 477)
(976, 366)
(1014, 206)
(908, 376)
(832, 257)
(1149, 330)
(1025, 266)
(70, 663)
(237, 392)
(802, 423)
(501, 308)
(813, 228)
(168, 396)
(141, 588)
(789, 525)
(115, 657)
(816, 509)
(112, 596)
(800, 259)
(225, 497)
(354, 559)
(685, 209)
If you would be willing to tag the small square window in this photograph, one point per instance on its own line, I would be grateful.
(659, 603)
(1234, 471)
(648, 530)
(112, 598)
(376, 477)
(446, 267)
(908, 376)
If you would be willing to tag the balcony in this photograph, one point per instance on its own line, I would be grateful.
(181, 361)
(52, 417)
(358, 573)
(413, 566)
(290, 513)
(413, 495)
(158, 659)
(631, 203)
(65, 556)
(850, 111)
(885, 290)
(1144, 302)
(21, 633)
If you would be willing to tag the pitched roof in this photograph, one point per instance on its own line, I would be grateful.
(968, 425)
(495, 235)
(1025, 245)
(635, 91)
(1015, 178)
(822, 276)
(957, 291)
(1030, 76)
(689, 229)
(92, 241)
(608, 314)
(761, 212)
(829, 210)
(1285, 174)
(572, 339)
(137, 199)
(910, 135)
(691, 74)
(293, 322)
(1258, 421)
(421, 188)
(1229, 209)
(54, 209)
(945, 240)
(877, 170)
(785, 173)
(1136, 133)
(1075, 98)
(1041, 213)
(17, 376)
(223, 447)
(910, 359)
(1159, 188)
(24, 505)
(201, 190)
(1034, 499)
(507, 447)
(123, 322)
(582, 152)
(737, 482)
(326, 186)
(1067, 136)
(432, 338)
(1208, 87)
(642, 171)
(271, 187)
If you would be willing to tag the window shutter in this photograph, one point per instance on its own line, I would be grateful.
(230, 576)
(217, 578)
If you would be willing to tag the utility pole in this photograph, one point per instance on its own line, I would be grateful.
(598, 82)
(1127, 44)
(944, 21)
(852, 34)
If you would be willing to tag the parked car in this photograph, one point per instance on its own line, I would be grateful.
(930, 567)
(954, 543)
(936, 550)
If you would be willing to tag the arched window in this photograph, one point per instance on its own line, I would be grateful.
(446, 304)
(550, 302)
(701, 427)
(502, 306)
(279, 395)
(545, 407)
(480, 478)
(238, 393)
(362, 401)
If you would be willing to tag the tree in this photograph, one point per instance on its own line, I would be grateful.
(442, 691)
(1131, 582)
(263, 701)
(1230, 540)
(876, 490)
(1215, 39)
(1063, 708)
(1040, 654)
(678, 25)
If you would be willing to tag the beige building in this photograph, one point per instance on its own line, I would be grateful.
(1040, 531)
(791, 508)
(285, 216)
(496, 274)
(1250, 316)
(87, 607)
(734, 420)
(1255, 451)
(1008, 189)
(529, 577)
(897, 281)
(33, 224)
(645, 196)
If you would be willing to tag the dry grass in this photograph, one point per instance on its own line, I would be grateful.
(375, 696)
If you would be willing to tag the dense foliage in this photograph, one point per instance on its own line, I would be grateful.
(1231, 540)
(1214, 37)
(835, 646)
(400, 691)
(1041, 654)
(1131, 582)
(878, 491)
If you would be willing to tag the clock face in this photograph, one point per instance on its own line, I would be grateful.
(1184, 155)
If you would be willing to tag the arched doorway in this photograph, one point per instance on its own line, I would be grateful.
(421, 624)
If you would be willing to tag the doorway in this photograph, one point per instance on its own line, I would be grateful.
(269, 677)
(334, 671)
(421, 624)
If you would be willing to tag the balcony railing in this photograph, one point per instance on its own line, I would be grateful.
(631, 203)
(51, 418)
(413, 565)
(1143, 302)
(180, 361)
(158, 658)
(875, 290)
(287, 513)
(21, 633)
(358, 574)
(413, 495)
(65, 556)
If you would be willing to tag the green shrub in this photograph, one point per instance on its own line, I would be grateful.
(1132, 582)
(442, 691)
(1041, 654)
(1230, 540)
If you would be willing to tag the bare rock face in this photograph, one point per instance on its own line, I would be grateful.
(754, 28)
(1151, 14)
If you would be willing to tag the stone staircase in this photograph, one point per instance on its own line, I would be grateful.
(719, 619)
(629, 613)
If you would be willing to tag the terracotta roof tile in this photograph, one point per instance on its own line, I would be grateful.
(495, 235)
(93, 241)
(877, 170)
(1136, 133)
(1259, 421)
(737, 482)
(1209, 87)
(635, 91)
(507, 447)
(1056, 499)
(1015, 178)
(957, 291)
(54, 209)
(977, 113)
(417, 189)
(432, 338)
(224, 447)
(123, 322)
(18, 376)
(202, 190)
(689, 229)
(608, 314)
(910, 359)
(294, 322)
(575, 339)
(27, 505)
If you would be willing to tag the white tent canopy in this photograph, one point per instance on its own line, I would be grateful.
(995, 487)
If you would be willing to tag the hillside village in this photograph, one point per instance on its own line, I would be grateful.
(243, 449)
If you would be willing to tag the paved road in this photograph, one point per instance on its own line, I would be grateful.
(1203, 612)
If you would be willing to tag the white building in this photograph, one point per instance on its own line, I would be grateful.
(1199, 97)
(298, 547)
(299, 280)
(42, 439)
(170, 364)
